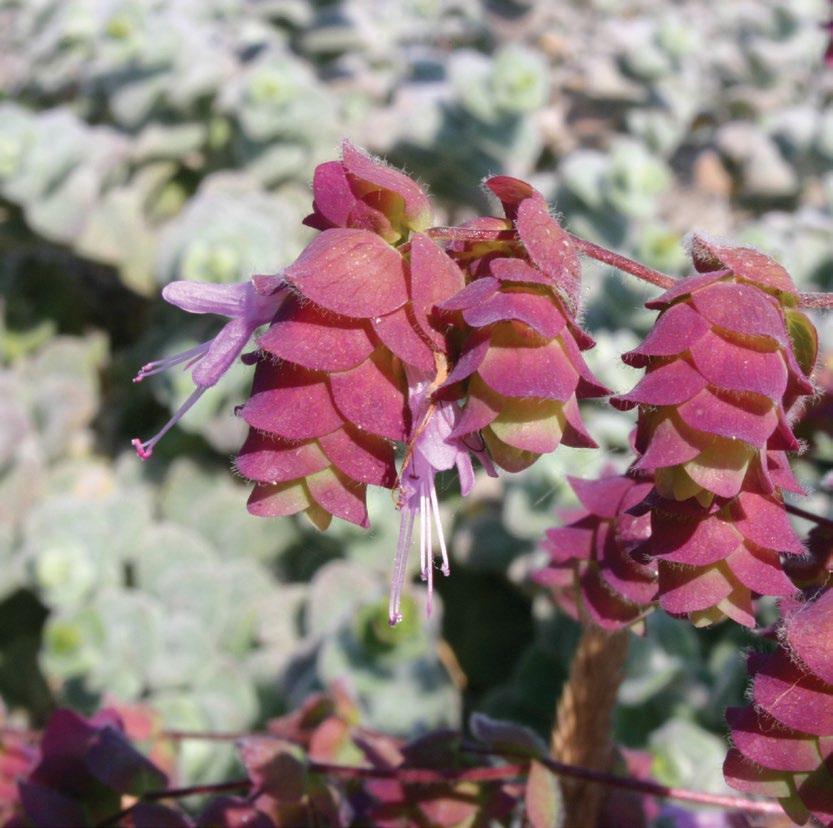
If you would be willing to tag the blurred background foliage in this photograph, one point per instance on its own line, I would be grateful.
(143, 141)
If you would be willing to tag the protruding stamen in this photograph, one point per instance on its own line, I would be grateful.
(429, 602)
(159, 365)
(145, 449)
(400, 563)
(435, 509)
(424, 543)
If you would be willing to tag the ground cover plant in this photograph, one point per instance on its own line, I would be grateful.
(609, 471)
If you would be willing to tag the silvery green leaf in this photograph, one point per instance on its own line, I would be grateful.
(470, 74)
(169, 141)
(334, 593)
(277, 96)
(685, 754)
(583, 173)
(228, 231)
(117, 232)
(133, 638)
(17, 131)
(73, 643)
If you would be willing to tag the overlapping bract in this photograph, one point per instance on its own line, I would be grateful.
(727, 359)
(591, 568)
(783, 742)
(520, 368)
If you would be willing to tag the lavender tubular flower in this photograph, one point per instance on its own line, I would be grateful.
(433, 449)
(247, 306)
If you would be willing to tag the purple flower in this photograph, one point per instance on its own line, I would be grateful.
(248, 306)
(431, 449)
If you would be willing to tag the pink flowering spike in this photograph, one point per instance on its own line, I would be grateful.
(742, 309)
(398, 332)
(746, 263)
(279, 499)
(435, 277)
(677, 330)
(536, 310)
(749, 778)
(671, 443)
(269, 459)
(339, 495)
(761, 739)
(333, 199)
(809, 631)
(670, 384)
(789, 730)
(518, 270)
(684, 287)
(697, 542)
(518, 365)
(350, 272)
(737, 368)
(595, 548)
(317, 339)
(764, 521)
(291, 402)
(511, 192)
(749, 417)
(470, 359)
(372, 396)
(601, 497)
(360, 456)
(685, 589)
(761, 571)
(472, 295)
(550, 248)
(792, 696)
(369, 170)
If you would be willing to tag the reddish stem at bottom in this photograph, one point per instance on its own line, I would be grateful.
(648, 787)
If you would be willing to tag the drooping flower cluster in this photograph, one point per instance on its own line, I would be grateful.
(783, 741)
(729, 356)
(520, 368)
(591, 567)
(378, 336)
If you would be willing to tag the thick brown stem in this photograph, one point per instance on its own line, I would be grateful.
(581, 735)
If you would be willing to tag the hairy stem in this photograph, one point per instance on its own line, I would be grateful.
(623, 263)
(594, 251)
(822, 301)
(646, 786)
(581, 735)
